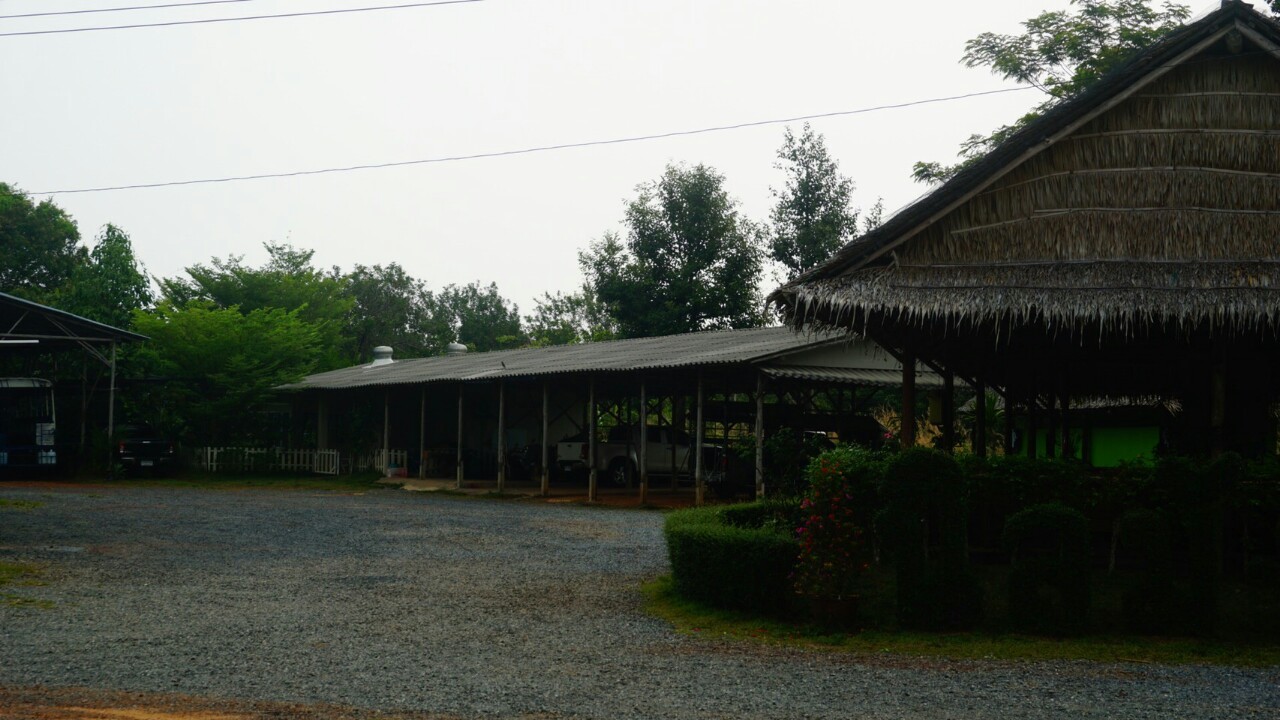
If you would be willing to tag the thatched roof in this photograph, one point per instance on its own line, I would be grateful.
(1152, 199)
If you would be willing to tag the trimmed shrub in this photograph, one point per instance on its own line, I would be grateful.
(1151, 602)
(730, 566)
(1049, 579)
(782, 515)
(924, 524)
(834, 549)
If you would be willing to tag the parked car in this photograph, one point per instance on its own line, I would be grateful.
(668, 452)
(141, 448)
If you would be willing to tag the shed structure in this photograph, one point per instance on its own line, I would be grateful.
(462, 414)
(31, 331)
(1124, 244)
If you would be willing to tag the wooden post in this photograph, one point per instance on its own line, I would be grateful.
(422, 435)
(760, 436)
(1051, 432)
(546, 431)
(1033, 417)
(111, 412)
(322, 422)
(591, 440)
(458, 461)
(980, 419)
(949, 411)
(644, 444)
(907, 433)
(1008, 421)
(700, 490)
(1066, 425)
(502, 435)
(386, 434)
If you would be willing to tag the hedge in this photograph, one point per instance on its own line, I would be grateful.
(730, 566)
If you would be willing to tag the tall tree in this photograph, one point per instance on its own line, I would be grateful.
(690, 260)
(562, 319)
(288, 281)
(813, 216)
(39, 246)
(1061, 53)
(221, 365)
(479, 317)
(391, 307)
(110, 285)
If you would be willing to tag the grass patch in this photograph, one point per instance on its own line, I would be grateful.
(8, 504)
(23, 575)
(694, 619)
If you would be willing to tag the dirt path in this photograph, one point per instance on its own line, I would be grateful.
(84, 704)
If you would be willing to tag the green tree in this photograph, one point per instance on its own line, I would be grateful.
(813, 216)
(39, 246)
(221, 364)
(562, 319)
(1061, 53)
(391, 307)
(110, 285)
(690, 261)
(288, 281)
(479, 317)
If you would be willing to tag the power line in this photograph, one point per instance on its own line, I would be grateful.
(238, 19)
(121, 9)
(532, 150)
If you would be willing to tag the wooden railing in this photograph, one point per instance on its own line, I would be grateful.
(242, 459)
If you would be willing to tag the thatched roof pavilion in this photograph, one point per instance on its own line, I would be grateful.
(1125, 243)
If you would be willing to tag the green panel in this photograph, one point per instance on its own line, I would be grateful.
(1113, 445)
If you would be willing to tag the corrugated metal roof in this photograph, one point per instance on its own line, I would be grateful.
(712, 347)
(850, 376)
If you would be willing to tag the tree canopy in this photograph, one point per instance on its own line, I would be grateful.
(39, 246)
(110, 285)
(479, 317)
(690, 261)
(813, 216)
(1061, 53)
(391, 307)
(562, 319)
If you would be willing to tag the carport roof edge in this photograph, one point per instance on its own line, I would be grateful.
(709, 347)
(53, 325)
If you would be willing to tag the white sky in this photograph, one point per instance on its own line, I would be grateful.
(160, 104)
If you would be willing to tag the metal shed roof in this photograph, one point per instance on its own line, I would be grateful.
(23, 322)
(712, 347)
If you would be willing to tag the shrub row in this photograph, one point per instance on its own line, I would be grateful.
(735, 566)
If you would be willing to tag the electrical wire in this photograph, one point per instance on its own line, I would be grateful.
(122, 9)
(307, 13)
(532, 150)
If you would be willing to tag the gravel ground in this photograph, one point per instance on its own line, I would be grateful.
(411, 602)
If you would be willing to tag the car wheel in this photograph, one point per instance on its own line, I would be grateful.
(621, 473)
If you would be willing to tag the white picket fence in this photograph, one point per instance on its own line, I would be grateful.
(215, 459)
(379, 460)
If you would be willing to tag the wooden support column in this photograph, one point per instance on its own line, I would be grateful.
(1051, 432)
(700, 490)
(1217, 404)
(1033, 417)
(980, 419)
(386, 434)
(644, 444)
(458, 461)
(422, 435)
(591, 440)
(907, 433)
(1065, 402)
(545, 488)
(760, 436)
(322, 422)
(502, 435)
(1008, 421)
(949, 411)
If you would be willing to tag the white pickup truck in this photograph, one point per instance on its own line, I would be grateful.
(668, 452)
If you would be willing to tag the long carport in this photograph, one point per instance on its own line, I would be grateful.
(496, 417)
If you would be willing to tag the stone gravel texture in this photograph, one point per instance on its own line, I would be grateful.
(406, 601)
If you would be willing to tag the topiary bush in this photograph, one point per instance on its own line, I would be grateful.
(730, 566)
(924, 523)
(1049, 578)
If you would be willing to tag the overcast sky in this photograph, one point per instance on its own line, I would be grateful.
(93, 109)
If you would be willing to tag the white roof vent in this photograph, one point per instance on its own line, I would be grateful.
(455, 348)
(381, 356)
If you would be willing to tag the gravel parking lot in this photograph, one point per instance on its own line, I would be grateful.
(410, 602)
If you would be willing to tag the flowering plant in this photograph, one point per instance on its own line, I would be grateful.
(834, 552)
